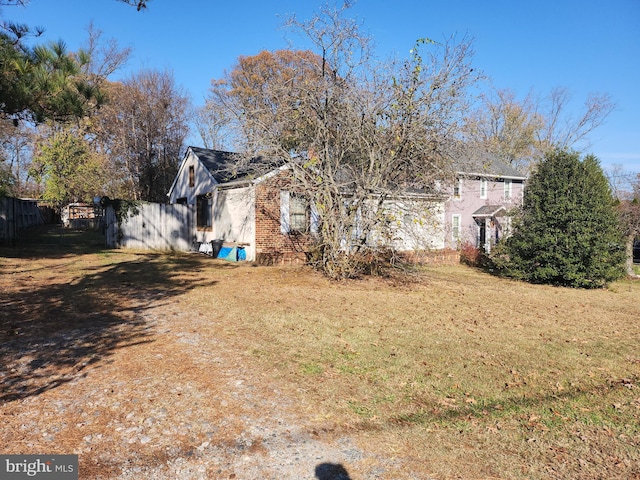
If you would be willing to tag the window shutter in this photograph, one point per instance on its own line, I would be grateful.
(284, 211)
(315, 220)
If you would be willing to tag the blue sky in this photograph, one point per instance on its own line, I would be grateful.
(584, 45)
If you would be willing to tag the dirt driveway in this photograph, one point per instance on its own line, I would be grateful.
(102, 359)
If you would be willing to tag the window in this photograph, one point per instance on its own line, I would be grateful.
(204, 210)
(483, 188)
(455, 227)
(192, 176)
(457, 188)
(298, 213)
(507, 189)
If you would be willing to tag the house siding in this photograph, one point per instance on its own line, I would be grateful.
(414, 225)
(233, 220)
(470, 200)
(271, 245)
(203, 182)
(256, 211)
(418, 225)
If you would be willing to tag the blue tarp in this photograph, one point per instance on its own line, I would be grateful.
(232, 254)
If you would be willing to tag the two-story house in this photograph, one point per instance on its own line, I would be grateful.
(481, 198)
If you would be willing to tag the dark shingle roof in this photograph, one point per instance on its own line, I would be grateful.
(221, 165)
(229, 166)
(487, 164)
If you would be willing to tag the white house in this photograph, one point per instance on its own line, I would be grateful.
(266, 215)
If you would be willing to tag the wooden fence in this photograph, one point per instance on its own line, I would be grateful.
(152, 226)
(15, 214)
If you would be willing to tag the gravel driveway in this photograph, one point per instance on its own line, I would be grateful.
(168, 403)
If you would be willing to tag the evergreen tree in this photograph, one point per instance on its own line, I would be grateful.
(45, 82)
(568, 233)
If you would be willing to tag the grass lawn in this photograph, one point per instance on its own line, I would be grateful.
(458, 374)
(462, 373)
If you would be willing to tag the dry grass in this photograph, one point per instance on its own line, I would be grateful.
(459, 375)
(462, 373)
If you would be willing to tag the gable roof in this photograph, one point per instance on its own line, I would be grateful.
(220, 164)
(488, 165)
(231, 167)
(217, 163)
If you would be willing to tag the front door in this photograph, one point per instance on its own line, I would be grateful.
(482, 233)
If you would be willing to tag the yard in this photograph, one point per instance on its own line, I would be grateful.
(181, 366)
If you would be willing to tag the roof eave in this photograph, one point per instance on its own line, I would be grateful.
(245, 182)
(175, 179)
(493, 175)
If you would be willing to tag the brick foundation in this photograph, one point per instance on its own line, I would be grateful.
(279, 258)
(437, 257)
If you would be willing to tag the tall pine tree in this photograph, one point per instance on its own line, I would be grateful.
(568, 233)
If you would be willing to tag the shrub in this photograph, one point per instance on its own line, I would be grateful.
(471, 255)
(568, 232)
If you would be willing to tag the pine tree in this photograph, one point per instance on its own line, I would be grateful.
(568, 233)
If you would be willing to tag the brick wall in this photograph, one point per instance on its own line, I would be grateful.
(276, 248)
(272, 246)
(438, 257)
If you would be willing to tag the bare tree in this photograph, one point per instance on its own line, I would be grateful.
(212, 125)
(522, 131)
(139, 4)
(621, 181)
(626, 188)
(21, 3)
(358, 132)
(506, 127)
(142, 129)
(104, 57)
(565, 130)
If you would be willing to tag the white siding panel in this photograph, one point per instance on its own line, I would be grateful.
(203, 182)
(416, 225)
(234, 218)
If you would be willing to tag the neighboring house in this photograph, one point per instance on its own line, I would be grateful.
(272, 220)
(481, 198)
